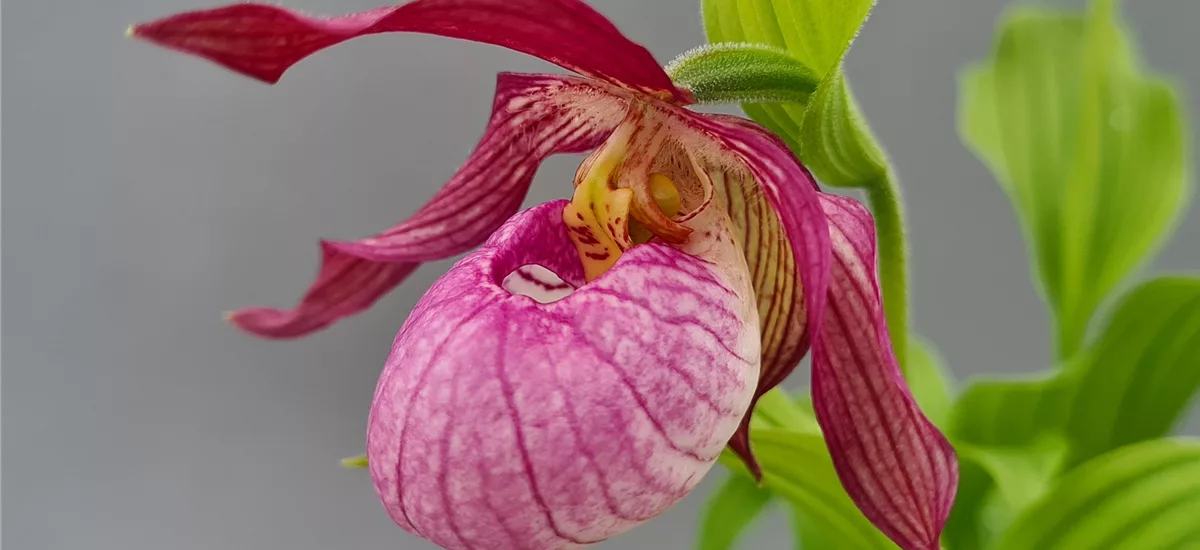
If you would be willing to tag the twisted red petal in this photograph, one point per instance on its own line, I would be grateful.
(263, 41)
(533, 117)
(791, 194)
(895, 464)
(777, 289)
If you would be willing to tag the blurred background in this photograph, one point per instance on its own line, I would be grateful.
(147, 192)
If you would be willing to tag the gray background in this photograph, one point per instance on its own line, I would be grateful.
(146, 192)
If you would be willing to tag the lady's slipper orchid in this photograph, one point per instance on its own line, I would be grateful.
(580, 372)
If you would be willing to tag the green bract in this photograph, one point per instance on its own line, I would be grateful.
(728, 72)
(828, 135)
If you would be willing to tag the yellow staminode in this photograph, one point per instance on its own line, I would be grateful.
(665, 194)
(597, 217)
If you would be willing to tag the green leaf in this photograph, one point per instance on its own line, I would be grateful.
(797, 467)
(834, 140)
(967, 528)
(1140, 497)
(1138, 378)
(1090, 151)
(732, 72)
(1010, 413)
(1006, 432)
(928, 380)
(1132, 384)
(828, 135)
(354, 462)
(1021, 474)
(817, 32)
(777, 409)
(995, 484)
(730, 511)
(723, 23)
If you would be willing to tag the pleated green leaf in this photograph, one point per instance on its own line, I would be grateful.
(1139, 497)
(1088, 148)
(1010, 413)
(1141, 374)
(1006, 432)
(996, 483)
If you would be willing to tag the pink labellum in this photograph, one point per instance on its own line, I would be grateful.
(501, 421)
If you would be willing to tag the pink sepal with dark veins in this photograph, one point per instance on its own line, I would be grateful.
(263, 40)
(899, 469)
(501, 422)
(533, 116)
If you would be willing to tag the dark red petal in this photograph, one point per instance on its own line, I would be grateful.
(533, 117)
(895, 464)
(263, 41)
(345, 286)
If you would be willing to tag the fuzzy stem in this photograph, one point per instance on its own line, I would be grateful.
(887, 205)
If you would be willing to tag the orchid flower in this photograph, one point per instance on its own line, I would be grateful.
(579, 372)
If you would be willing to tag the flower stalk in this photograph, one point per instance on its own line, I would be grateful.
(887, 204)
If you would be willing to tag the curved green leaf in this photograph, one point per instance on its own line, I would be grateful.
(730, 511)
(797, 467)
(777, 409)
(1010, 413)
(835, 142)
(967, 528)
(1138, 378)
(1023, 473)
(1008, 434)
(995, 484)
(1140, 497)
(733, 72)
(1090, 151)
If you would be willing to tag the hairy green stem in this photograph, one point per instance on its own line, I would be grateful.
(886, 204)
